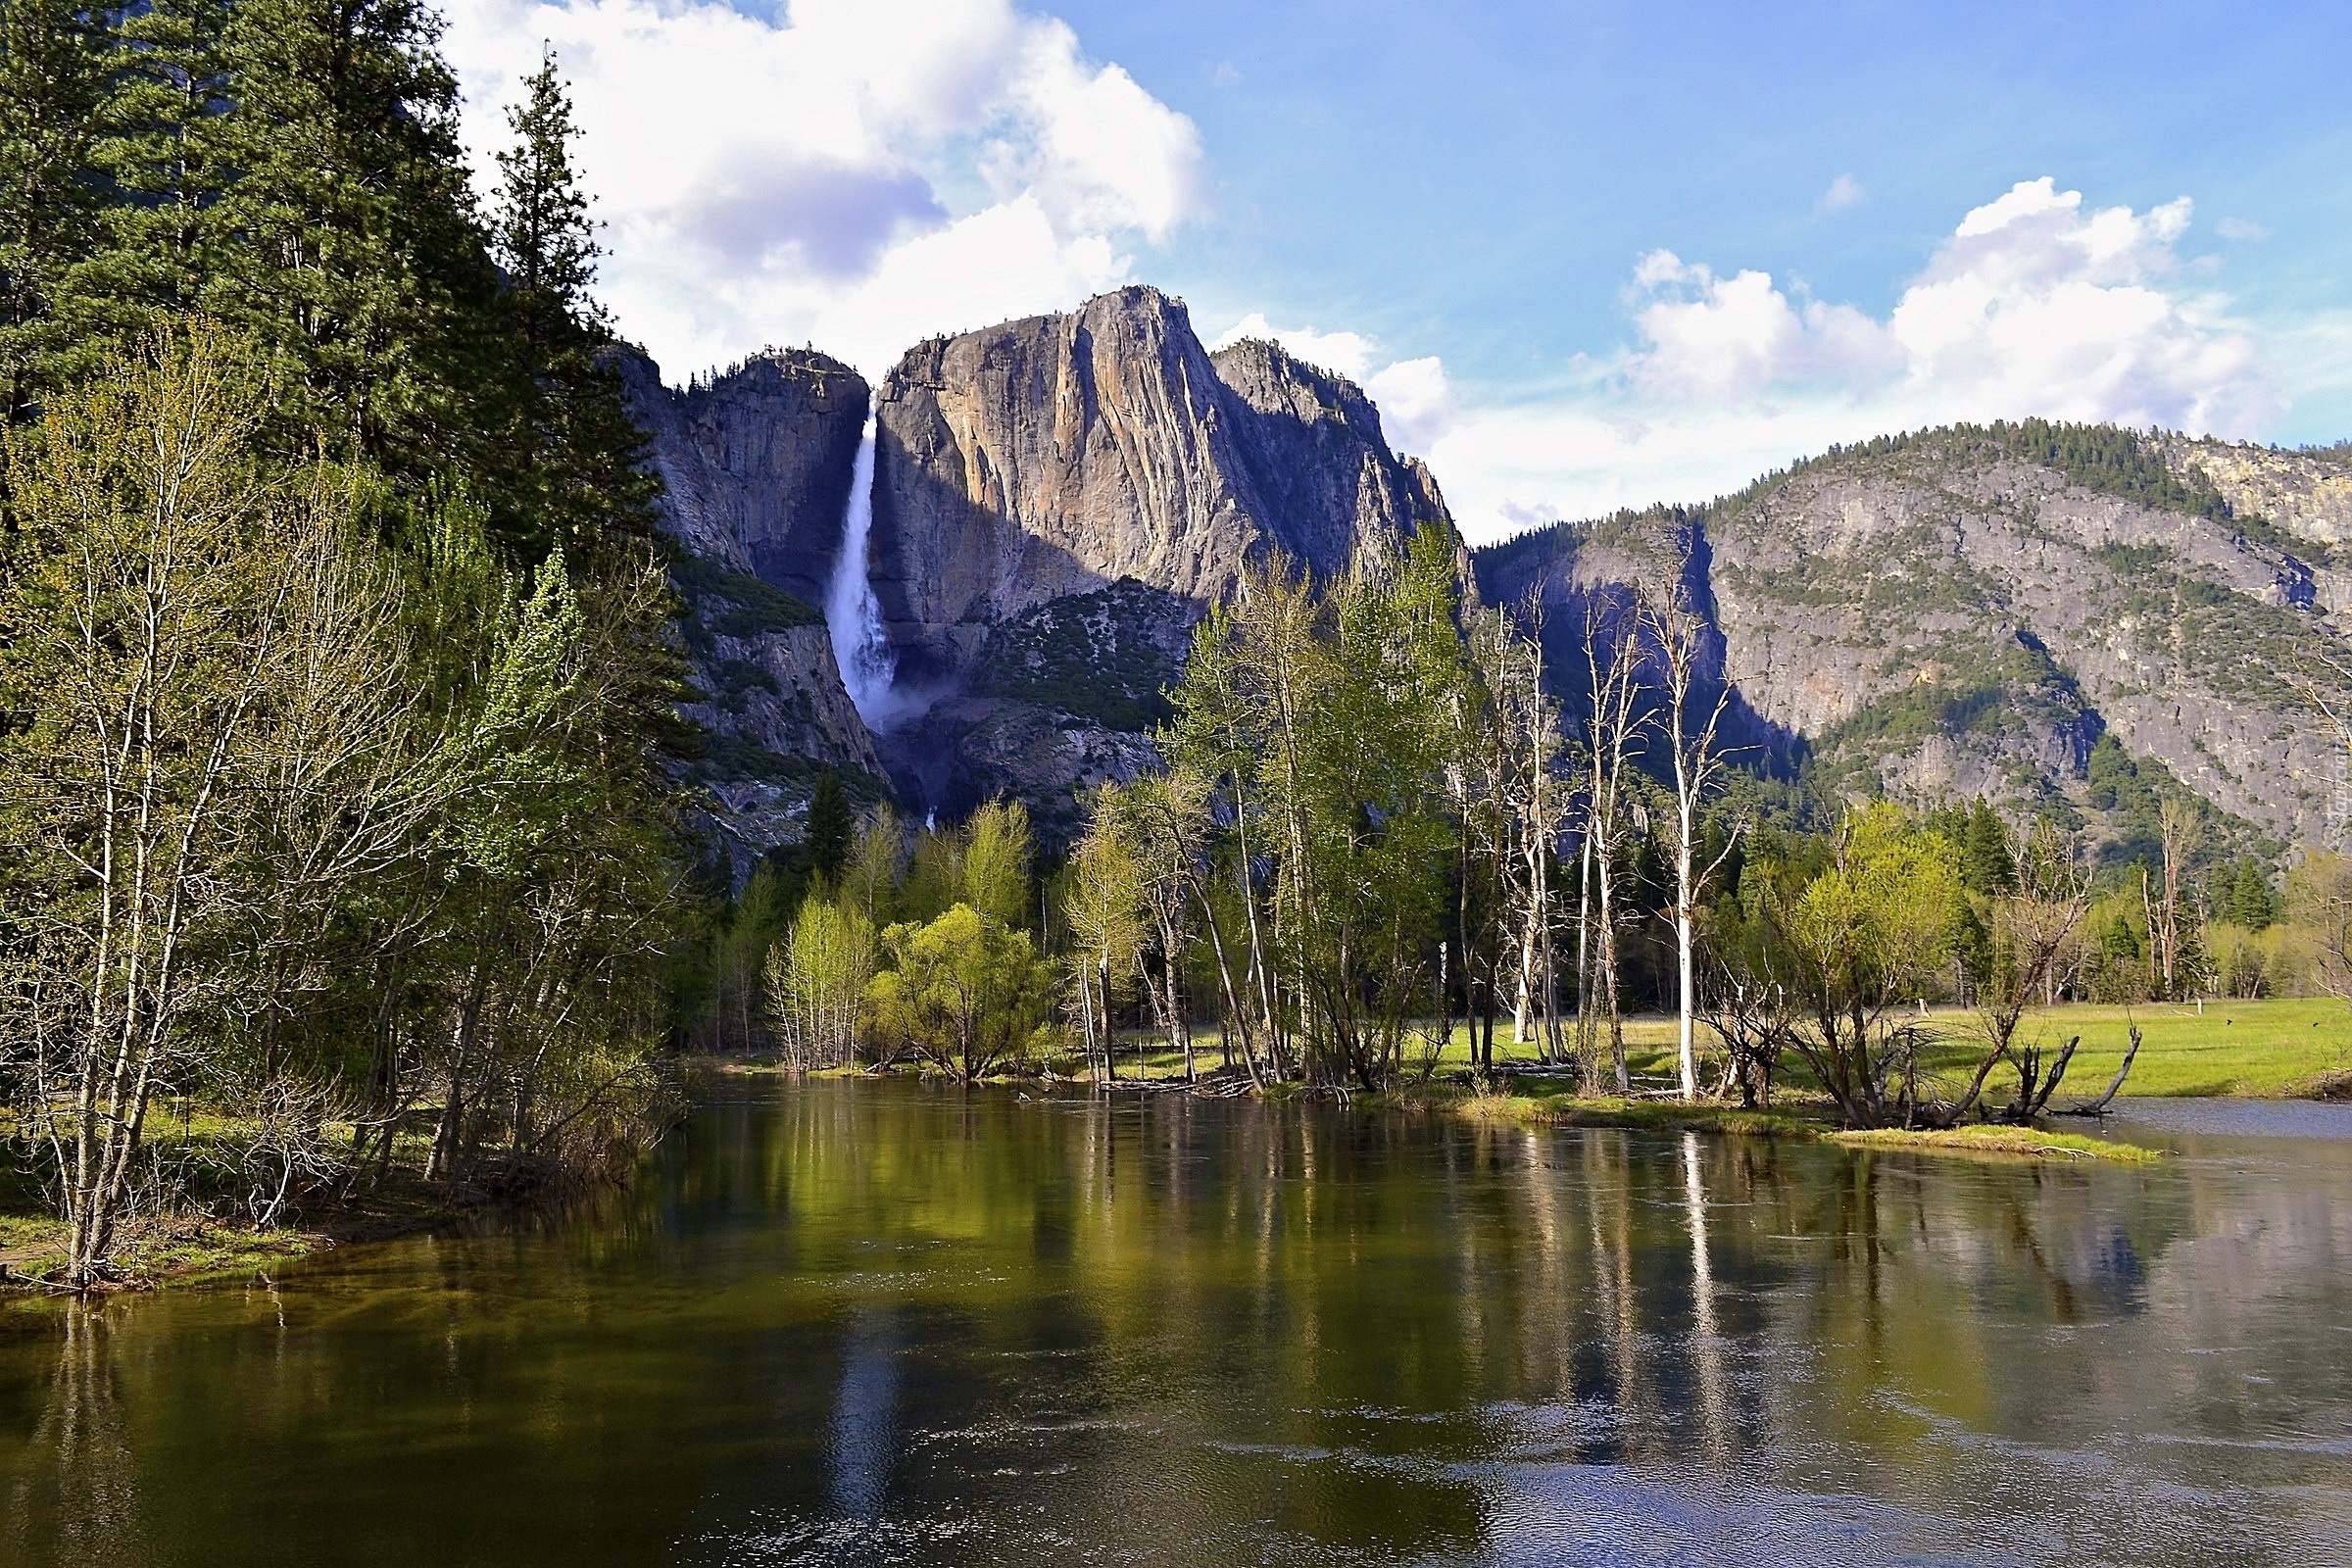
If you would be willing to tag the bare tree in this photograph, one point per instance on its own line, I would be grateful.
(2032, 928)
(181, 631)
(1614, 732)
(1693, 723)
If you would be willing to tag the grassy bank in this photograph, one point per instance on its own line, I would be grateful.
(2272, 1049)
(203, 1235)
(2030, 1143)
(1533, 1103)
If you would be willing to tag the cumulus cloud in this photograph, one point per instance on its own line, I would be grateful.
(2034, 305)
(856, 173)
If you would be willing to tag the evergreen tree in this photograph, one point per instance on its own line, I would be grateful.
(1985, 864)
(347, 237)
(580, 471)
(541, 233)
(50, 91)
(2248, 898)
(825, 841)
(160, 151)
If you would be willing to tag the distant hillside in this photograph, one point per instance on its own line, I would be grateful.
(2082, 617)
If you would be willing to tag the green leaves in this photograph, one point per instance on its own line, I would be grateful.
(964, 989)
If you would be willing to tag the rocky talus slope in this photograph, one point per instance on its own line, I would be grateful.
(1957, 612)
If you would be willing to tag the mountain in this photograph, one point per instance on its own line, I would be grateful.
(1056, 501)
(2078, 617)
(2058, 615)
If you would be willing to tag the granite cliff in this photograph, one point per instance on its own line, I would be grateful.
(1998, 610)
(1971, 611)
(754, 466)
(1096, 469)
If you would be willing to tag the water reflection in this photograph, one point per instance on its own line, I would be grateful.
(860, 1323)
(865, 1433)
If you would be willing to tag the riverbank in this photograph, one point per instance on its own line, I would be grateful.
(2273, 1049)
(204, 1236)
(191, 1248)
(1546, 1101)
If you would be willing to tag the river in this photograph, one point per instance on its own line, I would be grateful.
(889, 1323)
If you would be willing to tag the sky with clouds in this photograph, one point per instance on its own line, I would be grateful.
(1582, 255)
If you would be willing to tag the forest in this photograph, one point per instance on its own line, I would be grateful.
(337, 681)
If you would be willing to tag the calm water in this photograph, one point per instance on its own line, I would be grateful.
(884, 1324)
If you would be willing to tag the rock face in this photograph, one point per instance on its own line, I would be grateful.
(1056, 455)
(1933, 615)
(2305, 494)
(757, 462)
(756, 466)
(1040, 476)
(1056, 501)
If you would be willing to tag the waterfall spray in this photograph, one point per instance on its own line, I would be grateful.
(851, 613)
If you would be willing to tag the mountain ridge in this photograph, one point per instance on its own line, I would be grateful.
(1967, 610)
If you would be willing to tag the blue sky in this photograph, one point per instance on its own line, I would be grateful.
(1582, 254)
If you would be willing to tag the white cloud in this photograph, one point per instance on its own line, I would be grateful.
(859, 174)
(2242, 228)
(1845, 191)
(2034, 305)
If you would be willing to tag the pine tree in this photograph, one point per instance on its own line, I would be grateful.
(581, 475)
(1986, 864)
(347, 240)
(826, 841)
(50, 92)
(540, 228)
(161, 151)
(2248, 899)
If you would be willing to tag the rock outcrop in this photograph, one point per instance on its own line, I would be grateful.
(1057, 455)
(1934, 616)
(756, 468)
(757, 462)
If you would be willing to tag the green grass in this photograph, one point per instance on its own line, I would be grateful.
(2276, 1049)
(206, 1236)
(2031, 1143)
(2272, 1049)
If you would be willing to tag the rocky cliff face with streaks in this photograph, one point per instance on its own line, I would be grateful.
(1058, 455)
(1056, 500)
(1951, 614)
(756, 468)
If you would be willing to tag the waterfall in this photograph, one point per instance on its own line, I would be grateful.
(851, 613)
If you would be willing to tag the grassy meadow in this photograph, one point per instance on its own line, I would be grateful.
(2271, 1049)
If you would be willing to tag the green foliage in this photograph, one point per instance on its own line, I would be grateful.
(1985, 864)
(825, 837)
(2103, 458)
(996, 855)
(468, 903)
(2246, 898)
(737, 604)
(1098, 656)
(964, 990)
(818, 979)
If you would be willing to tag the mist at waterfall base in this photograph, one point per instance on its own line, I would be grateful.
(853, 617)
